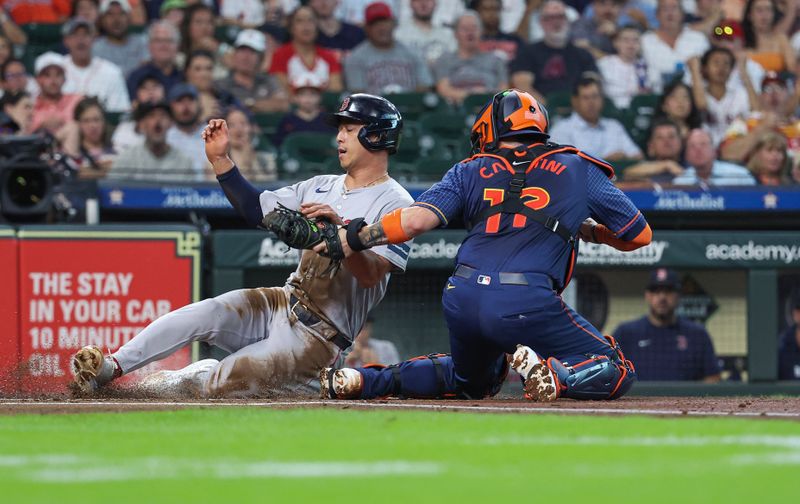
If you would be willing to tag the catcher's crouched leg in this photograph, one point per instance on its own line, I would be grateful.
(425, 377)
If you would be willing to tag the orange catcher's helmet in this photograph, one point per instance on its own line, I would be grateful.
(510, 113)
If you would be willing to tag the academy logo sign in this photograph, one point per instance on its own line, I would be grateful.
(440, 249)
(598, 254)
(752, 251)
(274, 252)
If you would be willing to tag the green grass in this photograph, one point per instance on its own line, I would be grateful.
(325, 455)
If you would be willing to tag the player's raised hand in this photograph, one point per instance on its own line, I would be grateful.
(215, 136)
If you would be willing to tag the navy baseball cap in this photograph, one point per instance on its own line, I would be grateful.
(180, 90)
(663, 278)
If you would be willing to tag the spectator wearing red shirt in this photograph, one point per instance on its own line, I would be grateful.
(27, 11)
(301, 60)
(53, 109)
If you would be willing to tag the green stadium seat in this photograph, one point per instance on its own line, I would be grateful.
(414, 105)
(432, 168)
(445, 135)
(305, 154)
(409, 143)
(475, 102)
(226, 34)
(268, 122)
(331, 100)
(42, 34)
(639, 116)
(559, 104)
(113, 118)
(644, 104)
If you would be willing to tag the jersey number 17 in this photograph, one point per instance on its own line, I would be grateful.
(534, 198)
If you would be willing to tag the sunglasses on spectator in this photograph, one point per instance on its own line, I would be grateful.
(554, 17)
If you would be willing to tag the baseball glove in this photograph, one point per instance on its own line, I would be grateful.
(297, 231)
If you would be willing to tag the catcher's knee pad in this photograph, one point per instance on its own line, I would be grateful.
(598, 377)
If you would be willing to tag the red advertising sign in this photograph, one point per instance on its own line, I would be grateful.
(9, 312)
(87, 286)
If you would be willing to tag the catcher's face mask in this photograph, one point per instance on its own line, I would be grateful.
(510, 113)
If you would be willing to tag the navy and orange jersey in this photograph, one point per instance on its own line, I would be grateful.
(564, 183)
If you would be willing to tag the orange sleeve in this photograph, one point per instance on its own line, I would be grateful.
(393, 227)
(604, 235)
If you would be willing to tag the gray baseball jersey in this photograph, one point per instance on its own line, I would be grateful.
(272, 351)
(339, 299)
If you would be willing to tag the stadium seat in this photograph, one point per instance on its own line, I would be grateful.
(300, 149)
(432, 168)
(268, 122)
(226, 33)
(559, 103)
(638, 117)
(474, 102)
(331, 100)
(113, 118)
(445, 135)
(408, 151)
(43, 34)
(414, 105)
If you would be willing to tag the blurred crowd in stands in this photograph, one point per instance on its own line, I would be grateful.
(683, 92)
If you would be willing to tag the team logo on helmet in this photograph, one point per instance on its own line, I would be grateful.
(345, 104)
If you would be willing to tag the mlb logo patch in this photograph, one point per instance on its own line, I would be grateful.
(484, 279)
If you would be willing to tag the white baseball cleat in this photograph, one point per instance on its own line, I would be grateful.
(540, 383)
(91, 370)
(345, 383)
(189, 381)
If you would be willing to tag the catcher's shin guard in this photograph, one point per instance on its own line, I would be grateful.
(424, 377)
(596, 378)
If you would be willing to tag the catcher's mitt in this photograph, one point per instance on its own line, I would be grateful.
(298, 231)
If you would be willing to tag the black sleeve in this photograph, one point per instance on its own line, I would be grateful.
(242, 195)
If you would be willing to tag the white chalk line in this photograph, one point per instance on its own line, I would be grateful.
(55, 468)
(401, 405)
(68, 468)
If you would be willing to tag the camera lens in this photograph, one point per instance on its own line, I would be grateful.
(26, 187)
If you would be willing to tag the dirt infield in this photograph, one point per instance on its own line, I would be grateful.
(748, 407)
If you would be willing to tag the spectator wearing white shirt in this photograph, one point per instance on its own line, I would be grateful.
(588, 131)
(670, 46)
(625, 73)
(718, 103)
(184, 135)
(91, 76)
(705, 170)
(421, 36)
(446, 12)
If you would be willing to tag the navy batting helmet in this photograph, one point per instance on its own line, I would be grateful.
(379, 117)
(510, 113)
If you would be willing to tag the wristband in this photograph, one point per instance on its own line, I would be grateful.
(353, 241)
